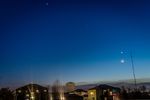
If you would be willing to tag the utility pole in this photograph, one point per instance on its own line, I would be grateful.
(133, 70)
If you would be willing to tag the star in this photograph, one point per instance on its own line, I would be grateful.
(46, 3)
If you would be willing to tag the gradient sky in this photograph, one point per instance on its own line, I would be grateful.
(74, 40)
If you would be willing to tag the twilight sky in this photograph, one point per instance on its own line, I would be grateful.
(74, 40)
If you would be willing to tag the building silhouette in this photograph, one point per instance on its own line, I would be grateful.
(104, 92)
(31, 92)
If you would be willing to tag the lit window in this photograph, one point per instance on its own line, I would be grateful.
(37, 91)
(104, 91)
(92, 93)
(32, 97)
(45, 90)
(19, 91)
(27, 95)
(32, 93)
(62, 98)
(110, 92)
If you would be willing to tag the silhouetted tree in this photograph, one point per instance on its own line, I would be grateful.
(57, 91)
(124, 94)
(129, 89)
(6, 94)
(142, 88)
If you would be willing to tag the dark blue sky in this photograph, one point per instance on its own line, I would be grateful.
(73, 40)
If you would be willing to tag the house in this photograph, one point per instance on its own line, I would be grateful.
(80, 92)
(31, 92)
(104, 92)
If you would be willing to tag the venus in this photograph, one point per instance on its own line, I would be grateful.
(122, 61)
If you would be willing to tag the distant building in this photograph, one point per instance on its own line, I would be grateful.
(70, 86)
(32, 92)
(73, 97)
(80, 92)
(104, 92)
